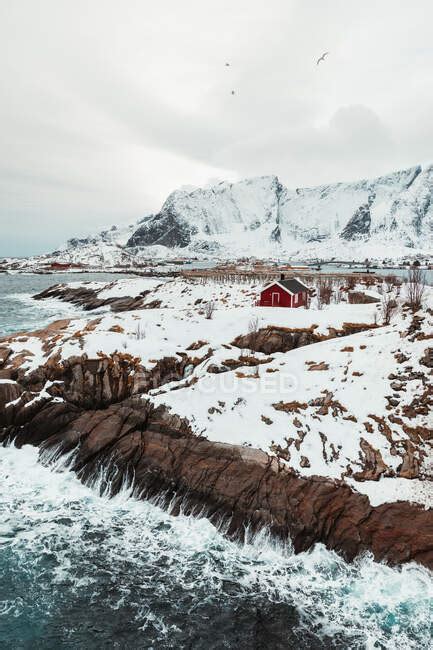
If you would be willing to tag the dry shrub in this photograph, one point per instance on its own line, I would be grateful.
(388, 308)
(415, 288)
(209, 309)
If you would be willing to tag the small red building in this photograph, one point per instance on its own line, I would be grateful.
(64, 266)
(284, 293)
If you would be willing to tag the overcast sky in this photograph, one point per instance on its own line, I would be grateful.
(108, 105)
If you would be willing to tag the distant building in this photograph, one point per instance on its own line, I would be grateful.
(284, 293)
(64, 266)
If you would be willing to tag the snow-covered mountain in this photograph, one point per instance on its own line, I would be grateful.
(107, 248)
(260, 216)
(389, 217)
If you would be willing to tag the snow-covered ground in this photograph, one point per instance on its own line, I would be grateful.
(323, 409)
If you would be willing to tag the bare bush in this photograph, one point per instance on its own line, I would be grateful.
(388, 307)
(316, 294)
(140, 332)
(415, 288)
(369, 280)
(390, 281)
(209, 309)
(253, 329)
(398, 284)
(253, 325)
(324, 292)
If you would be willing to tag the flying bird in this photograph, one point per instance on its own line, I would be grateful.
(233, 92)
(227, 65)
(322, 58)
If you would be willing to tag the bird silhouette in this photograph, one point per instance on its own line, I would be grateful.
(322, 58)
(233, 92)
(227, 65)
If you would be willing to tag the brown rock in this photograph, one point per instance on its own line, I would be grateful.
(427, 358)
(236, 485)
(9, 391)
(319, 366)
(373, 463)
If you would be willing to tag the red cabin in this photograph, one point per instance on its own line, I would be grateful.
(284, 293)
(64, 266)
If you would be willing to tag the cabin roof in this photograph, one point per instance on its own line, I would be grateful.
(292, 285)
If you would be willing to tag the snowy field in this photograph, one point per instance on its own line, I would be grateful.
(346, 408)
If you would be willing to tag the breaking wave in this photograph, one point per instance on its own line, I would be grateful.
(82, 570)
(19, 311)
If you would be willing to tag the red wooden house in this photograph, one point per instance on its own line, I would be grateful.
(284, 293)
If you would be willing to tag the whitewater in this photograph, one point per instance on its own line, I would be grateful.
(78, 569)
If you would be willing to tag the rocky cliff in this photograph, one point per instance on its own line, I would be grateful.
(388, 217)
(260, 216)
(97, 410)
(132, 441)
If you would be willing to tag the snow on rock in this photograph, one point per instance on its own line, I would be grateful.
(355, 407)
(390, 490)
(389, 216)
(261, 217)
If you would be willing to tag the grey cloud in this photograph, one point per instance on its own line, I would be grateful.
(109, 105)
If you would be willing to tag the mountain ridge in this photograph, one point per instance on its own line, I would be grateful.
(396, 208)
(389, 217)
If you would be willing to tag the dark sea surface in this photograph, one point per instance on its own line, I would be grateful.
(80, 570)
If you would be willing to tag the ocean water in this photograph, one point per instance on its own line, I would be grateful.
(19, 312)
(80, 570)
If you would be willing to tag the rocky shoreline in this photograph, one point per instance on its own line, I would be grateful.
(195, 410)
(87, 298)
(98, 409)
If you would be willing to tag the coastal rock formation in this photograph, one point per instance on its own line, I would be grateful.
(90, 383)
(87, 298)
(133, 441)
(155, 401)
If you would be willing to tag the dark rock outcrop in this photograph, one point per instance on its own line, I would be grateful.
(276, 339)
(427, 358)
(235, 485)
(358, 225)
(88, 298)
(90, 383)
(164, 229)
(273, 339)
